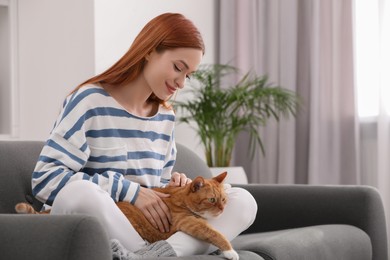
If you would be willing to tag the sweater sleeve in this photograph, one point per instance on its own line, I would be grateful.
(66, 153)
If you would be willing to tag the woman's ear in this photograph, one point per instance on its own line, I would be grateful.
(149, 55)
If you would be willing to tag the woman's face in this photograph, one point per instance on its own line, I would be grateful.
(165, 72)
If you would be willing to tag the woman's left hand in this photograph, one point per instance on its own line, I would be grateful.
(179, 179)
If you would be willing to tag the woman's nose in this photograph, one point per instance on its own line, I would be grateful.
(179, 82)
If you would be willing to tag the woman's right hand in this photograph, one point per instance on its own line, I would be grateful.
(154, 208)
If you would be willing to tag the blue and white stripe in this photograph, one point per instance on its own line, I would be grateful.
(96, 139)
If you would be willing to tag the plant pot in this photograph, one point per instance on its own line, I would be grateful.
(236, 175)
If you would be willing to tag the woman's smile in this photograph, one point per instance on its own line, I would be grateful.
(170, 88)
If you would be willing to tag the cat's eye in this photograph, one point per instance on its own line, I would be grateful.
(212, 200)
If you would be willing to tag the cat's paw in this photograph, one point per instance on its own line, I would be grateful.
(230, 254)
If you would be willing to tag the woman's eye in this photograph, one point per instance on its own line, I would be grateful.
(176, 68)
(211, 200)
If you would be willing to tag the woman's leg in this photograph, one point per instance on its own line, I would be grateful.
(238, 215)
(84, 197)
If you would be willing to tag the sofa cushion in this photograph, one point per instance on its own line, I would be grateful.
(324, 242)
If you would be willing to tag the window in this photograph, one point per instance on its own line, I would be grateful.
(372, 57)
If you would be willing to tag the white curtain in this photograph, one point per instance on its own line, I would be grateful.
(312, 47)
(305, 46)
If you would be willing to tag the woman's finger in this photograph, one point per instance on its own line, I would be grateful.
(149, 217)
(184, 180)
(163, 221)
(157, 218)
(175, 179)
(165, 212)
(179, 179)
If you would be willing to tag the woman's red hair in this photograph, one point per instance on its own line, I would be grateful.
(166, 31)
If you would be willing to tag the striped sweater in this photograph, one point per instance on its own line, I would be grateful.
(96, 139)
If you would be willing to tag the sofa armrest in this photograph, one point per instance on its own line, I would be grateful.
(72, 237)
(294, 206)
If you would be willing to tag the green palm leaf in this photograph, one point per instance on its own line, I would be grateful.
(221, 113)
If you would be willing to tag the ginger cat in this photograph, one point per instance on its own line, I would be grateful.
(190, 206)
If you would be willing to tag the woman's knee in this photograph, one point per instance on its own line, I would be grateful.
(78, 197)
(242, 201)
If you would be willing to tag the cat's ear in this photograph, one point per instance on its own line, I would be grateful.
(197, 184)
(220, 177)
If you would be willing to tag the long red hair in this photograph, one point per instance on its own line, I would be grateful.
(166, 31)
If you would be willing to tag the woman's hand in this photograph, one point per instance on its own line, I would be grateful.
(179, 179)
(154, 208)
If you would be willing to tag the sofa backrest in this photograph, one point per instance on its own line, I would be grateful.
(18, 159)
(190, 163)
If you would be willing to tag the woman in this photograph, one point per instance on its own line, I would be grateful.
(114, 140)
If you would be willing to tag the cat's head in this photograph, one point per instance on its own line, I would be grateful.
(207, 197)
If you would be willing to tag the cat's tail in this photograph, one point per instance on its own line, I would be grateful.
(25, 208)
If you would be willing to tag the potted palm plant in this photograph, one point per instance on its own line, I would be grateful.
(221, 111)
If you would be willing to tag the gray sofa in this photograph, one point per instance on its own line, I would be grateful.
(293, 222)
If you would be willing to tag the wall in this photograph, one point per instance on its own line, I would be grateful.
(56, 52)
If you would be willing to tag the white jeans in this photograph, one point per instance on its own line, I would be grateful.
(84, 197)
